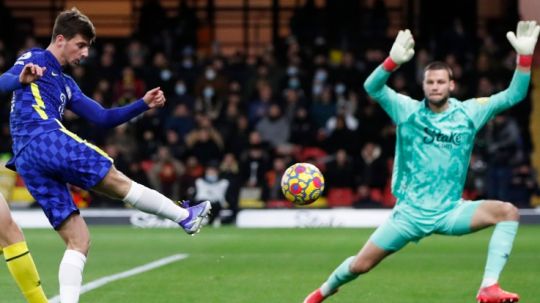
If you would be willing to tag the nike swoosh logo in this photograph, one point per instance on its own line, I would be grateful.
(54, 74)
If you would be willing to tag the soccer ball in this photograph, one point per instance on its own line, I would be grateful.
(302, 183)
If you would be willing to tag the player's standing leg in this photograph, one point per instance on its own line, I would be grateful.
(18, 258)
(505, 217)
(75, 234)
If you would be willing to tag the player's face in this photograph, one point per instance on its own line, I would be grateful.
(437, 86)
(75, 50)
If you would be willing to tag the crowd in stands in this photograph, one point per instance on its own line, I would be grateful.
(301, 100)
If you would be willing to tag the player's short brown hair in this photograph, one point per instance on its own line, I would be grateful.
(438, 65)
(71, 22)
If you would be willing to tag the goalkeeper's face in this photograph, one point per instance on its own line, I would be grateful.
(437, 86)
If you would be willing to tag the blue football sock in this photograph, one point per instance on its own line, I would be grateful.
(499, 249)
(340, 276)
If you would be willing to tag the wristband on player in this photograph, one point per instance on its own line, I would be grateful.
(524, 60)
(389, 65)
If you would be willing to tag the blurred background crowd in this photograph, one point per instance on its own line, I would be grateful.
(234, 121)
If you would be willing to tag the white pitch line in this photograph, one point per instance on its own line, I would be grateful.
(125, 274)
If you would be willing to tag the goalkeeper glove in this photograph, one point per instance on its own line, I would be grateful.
(525, 41)
(401, 52)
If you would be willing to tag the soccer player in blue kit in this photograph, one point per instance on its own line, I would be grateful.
(434, 142)
(48, 156)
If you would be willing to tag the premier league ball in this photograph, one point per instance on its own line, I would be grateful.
(302, 183)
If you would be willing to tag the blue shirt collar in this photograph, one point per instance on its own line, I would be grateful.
(52, 60)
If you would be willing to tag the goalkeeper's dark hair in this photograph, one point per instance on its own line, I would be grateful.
(439, 65)
(71, 22)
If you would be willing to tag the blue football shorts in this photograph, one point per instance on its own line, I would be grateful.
(402, 228)
(53, 159)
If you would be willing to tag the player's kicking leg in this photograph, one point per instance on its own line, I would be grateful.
(192, 224)
(115, 184)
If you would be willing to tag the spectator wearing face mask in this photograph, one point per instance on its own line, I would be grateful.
(211, 83)
(180, 95)
(213, 188)
(323, 107)
(160, 73)
(210, 89)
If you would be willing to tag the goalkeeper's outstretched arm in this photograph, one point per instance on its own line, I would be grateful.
(397, 106)
(523, 41)
(402, 51)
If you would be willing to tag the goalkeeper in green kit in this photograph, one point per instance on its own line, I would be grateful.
(435, 139)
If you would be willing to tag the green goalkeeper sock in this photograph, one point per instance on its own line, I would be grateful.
(340, 276)
(499, 250)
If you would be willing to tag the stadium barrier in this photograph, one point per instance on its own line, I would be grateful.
(336, 217)
(252, 218)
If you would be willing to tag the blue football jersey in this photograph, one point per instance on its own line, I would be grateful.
(39, 107)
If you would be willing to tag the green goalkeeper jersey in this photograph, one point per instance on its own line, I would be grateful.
(433, 150)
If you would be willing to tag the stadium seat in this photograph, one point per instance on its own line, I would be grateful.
(313, 155)
(250, 197)
(376, 195)
(278, 204)
(340, 197)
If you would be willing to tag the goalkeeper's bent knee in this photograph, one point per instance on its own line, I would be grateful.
(23, 270)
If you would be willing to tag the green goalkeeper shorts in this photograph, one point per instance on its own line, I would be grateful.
(402, 228)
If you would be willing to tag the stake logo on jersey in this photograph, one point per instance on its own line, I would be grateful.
(436, 136)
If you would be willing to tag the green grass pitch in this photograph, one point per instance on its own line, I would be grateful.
(279, 265)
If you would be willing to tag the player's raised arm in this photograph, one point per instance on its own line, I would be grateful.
(29, 73)
(402, 51)
(524, 41)
(92, 111)
(394, 104)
